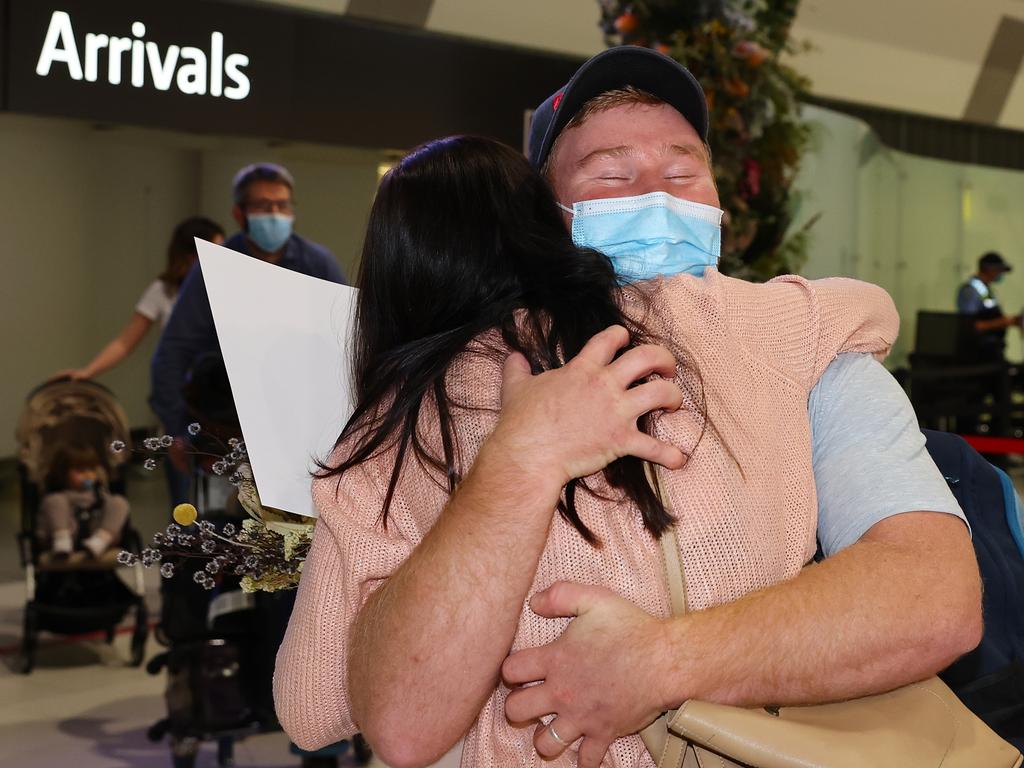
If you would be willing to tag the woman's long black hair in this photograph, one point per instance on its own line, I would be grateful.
(462, 234)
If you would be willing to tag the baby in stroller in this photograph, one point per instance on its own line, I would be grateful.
(77, 485)
(70, 487)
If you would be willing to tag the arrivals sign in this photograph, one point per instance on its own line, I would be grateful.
(90, 56)
(186, 64)
(246, 68)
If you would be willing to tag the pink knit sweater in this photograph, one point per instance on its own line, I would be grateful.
(759, 350)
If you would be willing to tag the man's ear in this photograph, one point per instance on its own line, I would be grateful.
(239, 216)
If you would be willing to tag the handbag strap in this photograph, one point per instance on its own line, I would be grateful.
(670, 547)
(668, 749)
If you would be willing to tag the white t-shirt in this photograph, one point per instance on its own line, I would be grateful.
(155, 304)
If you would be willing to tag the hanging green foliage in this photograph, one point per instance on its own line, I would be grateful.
(757, 135)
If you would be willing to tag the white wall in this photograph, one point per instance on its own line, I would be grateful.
(85, 215)
(914, 225)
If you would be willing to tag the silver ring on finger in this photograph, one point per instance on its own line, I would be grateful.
(555, 736)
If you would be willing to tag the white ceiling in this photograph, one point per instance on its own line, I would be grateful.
(918, 55)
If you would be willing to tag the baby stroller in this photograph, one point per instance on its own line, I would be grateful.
(78, 594)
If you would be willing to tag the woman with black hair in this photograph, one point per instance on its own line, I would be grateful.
(495, 268)
(476, 315)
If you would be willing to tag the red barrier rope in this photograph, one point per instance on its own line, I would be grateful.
(1001, 445)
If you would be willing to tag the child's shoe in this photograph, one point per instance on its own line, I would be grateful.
(98, 543)
(62, 544)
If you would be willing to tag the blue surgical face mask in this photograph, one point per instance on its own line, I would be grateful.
(649, 235)
(270, 230)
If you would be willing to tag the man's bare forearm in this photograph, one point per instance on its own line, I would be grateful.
(428, 645)
(887, 611)
(996, 323)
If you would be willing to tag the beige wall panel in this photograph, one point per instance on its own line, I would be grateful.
(568, 26)
(87, 218)
(885, 76)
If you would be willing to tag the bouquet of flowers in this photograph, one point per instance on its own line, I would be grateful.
(267, 550)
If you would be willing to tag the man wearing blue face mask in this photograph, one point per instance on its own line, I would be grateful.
(623, 146)
(265, 211)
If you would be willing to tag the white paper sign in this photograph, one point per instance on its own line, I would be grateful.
(285, 338)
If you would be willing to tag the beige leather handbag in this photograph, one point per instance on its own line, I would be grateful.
(923, 725)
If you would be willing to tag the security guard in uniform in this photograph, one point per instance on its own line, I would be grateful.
(977, 300)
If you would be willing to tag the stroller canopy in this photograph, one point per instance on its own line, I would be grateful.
(63, 412)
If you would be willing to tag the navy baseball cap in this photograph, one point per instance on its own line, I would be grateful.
(609, 70)
(993, 260)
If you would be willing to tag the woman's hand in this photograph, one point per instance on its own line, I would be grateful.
(73, 374)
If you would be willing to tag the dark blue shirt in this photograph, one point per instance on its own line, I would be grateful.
(190, 331)
(975, 297)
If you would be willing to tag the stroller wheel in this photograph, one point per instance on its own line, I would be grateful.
(138, 654)
(140, 634)
(28, 641)
(184, 752)
(161, 636)
(158, 729)
(362, 750)
(225, 751)
(26, 662)
(138, 649)
(319, 762)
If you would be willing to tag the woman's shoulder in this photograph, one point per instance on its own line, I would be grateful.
(473, 380)
(355, 495)
(473, 389)
(157, 289)
(156, 301)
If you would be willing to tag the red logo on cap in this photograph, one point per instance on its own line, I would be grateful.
(557, 101)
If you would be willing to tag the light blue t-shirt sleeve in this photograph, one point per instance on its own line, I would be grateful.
(868, 453)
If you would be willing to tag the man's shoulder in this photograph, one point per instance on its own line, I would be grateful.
(968, 286)
(969, 298)
(238, 242)
(313, 249)
(314, 259)
(311, 254)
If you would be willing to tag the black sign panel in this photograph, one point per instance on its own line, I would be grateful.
(237, 69)
(197, 66)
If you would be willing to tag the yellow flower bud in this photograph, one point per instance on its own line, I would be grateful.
(185, 514)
